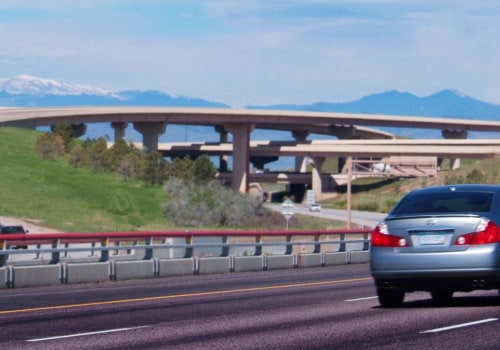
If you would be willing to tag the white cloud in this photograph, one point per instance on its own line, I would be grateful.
(256, 51)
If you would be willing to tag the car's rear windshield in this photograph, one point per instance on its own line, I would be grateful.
(445, 202)
(12, 229)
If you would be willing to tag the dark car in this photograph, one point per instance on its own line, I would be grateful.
(14, 229)
(440, 239)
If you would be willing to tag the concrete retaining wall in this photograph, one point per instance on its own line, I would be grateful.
(3, 278)
(67, 272)
(248, 263)
(358, 257)
(175, 267)
(126, 270)
(309, 260)
(90, 272)
(276, 262)
(339, 258)
(213, 265)
(30, 276)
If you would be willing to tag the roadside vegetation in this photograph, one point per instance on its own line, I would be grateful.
(82, 186)
(52, 180)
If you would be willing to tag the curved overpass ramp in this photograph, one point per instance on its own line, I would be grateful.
(152, 122)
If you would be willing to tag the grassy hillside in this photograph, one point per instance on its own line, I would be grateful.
(77, 200)
(70, 199)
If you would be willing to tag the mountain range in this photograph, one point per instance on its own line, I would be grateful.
(29, 91)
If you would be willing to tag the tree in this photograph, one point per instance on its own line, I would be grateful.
(155, 169)
(78, 157)
(96, 150)
(180, 168)
(48, 146)
(65, 131)
(475, 177)
(203, 170)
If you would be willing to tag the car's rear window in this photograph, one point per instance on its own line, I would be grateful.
(445, 202)
(12, 229)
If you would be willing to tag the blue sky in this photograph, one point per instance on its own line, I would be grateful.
(258, 52)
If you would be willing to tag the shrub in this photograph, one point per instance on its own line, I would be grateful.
(48, 146)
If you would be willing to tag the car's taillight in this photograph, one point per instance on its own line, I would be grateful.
(486, 232)
(382, 238)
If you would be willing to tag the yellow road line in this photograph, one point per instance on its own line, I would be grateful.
(176, 296)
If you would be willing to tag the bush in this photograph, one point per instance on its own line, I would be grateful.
(210, 204)
(49, 146)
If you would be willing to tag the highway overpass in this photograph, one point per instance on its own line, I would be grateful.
(152, 122)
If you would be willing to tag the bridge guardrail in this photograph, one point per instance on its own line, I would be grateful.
(107, 246)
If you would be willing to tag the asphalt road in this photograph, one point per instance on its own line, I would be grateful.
(317, 308)
(359, 218)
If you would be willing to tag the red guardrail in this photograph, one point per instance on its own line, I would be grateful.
(108, 241)
(89, 237)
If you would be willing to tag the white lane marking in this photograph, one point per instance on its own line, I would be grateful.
(85, 334)
(358, 299)
(436, 330)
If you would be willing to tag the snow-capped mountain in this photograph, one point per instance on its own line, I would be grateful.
(29, 91)
(26, 84)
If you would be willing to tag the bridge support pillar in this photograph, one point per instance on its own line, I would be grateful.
(79, 129)
(150, 133)
(300, 136)
(222, 139)
(454, 135)
(241, 154)
(119, 128)
(317, 185)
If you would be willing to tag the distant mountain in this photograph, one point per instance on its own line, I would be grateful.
(28, 91)
(446, 103)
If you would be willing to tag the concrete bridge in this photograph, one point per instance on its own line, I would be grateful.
(151, 122)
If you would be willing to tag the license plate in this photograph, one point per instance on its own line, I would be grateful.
(432, 239)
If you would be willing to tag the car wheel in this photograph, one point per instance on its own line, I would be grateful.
(442, 297)
(390, 298)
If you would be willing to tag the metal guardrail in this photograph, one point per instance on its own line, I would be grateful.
(105, 246)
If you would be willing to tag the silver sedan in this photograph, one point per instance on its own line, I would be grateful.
(440, 239)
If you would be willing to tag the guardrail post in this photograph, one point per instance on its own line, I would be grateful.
(289, 246)
(342, 246)
(317, 245)
(3, 257)
(56, 255)
(189, 247)
(104, 252)
(66, 245)
(225, 246)
(148, 252)
(38, 246)
(366, 243)
(258, 245)
(92, 251)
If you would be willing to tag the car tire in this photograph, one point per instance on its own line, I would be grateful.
(442, 297)
(390, 298)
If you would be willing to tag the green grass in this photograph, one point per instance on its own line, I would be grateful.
(70, 199)
(78, 200)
